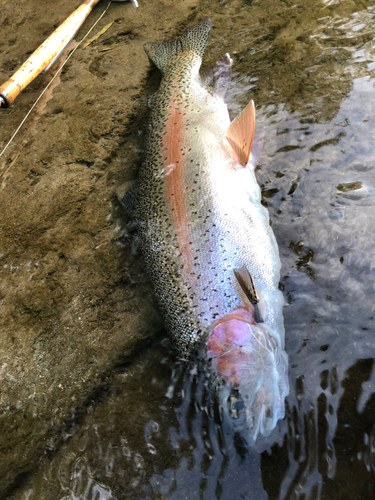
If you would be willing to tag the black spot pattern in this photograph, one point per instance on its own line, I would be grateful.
(187, 309)
(194, 39)
(159, 240)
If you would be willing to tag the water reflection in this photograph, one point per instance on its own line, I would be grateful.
(330, 452)
(153, 436)
(152, 433)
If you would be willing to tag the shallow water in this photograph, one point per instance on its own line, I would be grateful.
(148, 434)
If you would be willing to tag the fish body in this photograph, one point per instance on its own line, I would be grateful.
(202, 226)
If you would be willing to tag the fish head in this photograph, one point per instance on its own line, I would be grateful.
(251, 373)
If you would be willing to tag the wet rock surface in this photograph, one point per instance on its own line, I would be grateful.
(74, 301)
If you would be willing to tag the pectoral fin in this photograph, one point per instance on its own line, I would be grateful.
(246, 283)
(240, 133)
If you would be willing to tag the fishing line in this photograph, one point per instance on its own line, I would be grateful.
(57, 72)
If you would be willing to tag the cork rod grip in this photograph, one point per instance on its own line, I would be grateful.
(45, 54)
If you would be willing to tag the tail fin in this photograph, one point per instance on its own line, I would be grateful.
(194, 38)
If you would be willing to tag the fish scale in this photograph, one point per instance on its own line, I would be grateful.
(200, 219)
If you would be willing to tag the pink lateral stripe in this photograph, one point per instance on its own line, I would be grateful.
(175, 189)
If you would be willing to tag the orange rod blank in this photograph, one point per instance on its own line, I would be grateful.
(45, 54)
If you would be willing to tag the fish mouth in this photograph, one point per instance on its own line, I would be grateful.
(251, 379)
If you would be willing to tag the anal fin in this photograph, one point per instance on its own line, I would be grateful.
(218, 76)
(240, 133)
(256, 148)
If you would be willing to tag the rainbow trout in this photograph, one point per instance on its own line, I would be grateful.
(206, 238)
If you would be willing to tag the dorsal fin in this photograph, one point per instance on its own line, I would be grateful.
(246, 283)
(240, 133)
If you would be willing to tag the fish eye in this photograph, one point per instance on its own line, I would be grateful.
(236, 404)
(239, 405)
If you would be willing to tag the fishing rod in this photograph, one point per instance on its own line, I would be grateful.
(47, 53)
